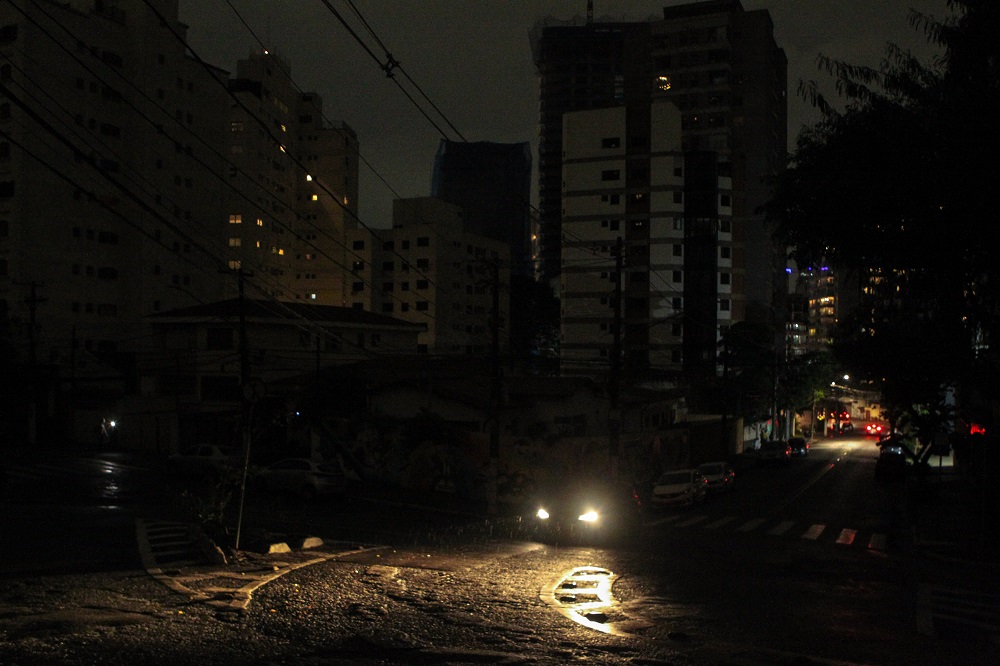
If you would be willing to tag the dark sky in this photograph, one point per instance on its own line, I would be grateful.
(472, 58)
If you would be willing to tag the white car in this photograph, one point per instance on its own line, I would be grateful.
(303, 477)
(683, 486)
(203, 459)
(719, 476)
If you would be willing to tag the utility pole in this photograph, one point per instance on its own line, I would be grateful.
(247, 396)
(33, 301)
(495, 388)
(614, 411)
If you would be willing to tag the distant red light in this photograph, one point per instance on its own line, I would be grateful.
(976, 429)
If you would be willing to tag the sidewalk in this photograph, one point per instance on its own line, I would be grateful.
(951, 524)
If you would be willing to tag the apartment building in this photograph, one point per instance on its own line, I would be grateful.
(110, 162)
(647, 257)
(429, 270)
(294, 178)
(719, 65)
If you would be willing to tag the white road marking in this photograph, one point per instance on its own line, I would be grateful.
(720, 522)
(781, 527)
(877, 542)
(813, 532)
(846, 537)
(750, 525)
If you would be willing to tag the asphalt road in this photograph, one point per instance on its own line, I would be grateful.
(806, 564)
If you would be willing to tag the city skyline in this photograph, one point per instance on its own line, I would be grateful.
(491, 93)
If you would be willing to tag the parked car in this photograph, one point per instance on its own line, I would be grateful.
(800, 447)
(203, 459)
(719, 476)
(302, 477)
(685, 486)
(891, 463)
(585, 510)
(775, 451)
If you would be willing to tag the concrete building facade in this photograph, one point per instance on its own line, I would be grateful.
(719, 65)
(429, 270)
(647, 260)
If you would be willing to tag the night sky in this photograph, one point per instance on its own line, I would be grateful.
(473, 60)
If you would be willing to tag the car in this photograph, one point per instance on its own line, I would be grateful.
(302, 477)
(891, 464)
(679, 487)
(775, 451)
(719, 476)
(800, 447)
(204, 459)
(874, 429)
(585, 510)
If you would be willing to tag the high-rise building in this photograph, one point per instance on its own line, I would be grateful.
(294, 191)
(647, 260)
(719, 65)
(429, 270)
(111, 155)
(491, 182)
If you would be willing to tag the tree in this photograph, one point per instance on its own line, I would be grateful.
(892, 191)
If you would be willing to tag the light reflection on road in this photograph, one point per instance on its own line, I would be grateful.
(583, 594)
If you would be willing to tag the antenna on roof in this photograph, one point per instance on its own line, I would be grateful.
(590, 11)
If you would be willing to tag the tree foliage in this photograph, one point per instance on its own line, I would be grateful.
(894, 191)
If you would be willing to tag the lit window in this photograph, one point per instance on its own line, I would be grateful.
(235, 219)
(235, 241)
(282, 148)
(260, 222)
(258, 243)
(283, 128)
(345, 201)
(315, 197)
(234, 264)
(309, 178)
(663, 82)
(312, 297)
(281, 251)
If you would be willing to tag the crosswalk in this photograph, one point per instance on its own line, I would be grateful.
(816, 532)
(946, 609)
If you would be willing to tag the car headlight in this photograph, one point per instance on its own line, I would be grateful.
(589, 517)
(542, 514)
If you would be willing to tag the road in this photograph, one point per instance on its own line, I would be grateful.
(807, 563)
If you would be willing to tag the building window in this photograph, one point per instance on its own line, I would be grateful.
(611, 174)
(725, 278)
(726, 226)
(678, 196)
(422, 306)
(678, 276)
(387, 286)
(724, 305)
(725, 200)
(388, 245)
(678, 250)
(423, 263)
(235, 264)
(358, 245)
(235, 241)
(677, 303)
(357, 287)
(725, 252)
(387, 307)
(236, 127)
(219, 339)
(235, 219)
(611, 142)
(423, 241)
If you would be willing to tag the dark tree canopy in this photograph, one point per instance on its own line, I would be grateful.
(895, 191)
